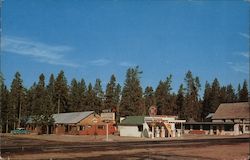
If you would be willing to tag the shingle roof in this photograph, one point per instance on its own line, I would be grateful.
(70, 118)
(133, 120)
(232, 111)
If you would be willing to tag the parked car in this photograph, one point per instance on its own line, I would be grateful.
(20, 131)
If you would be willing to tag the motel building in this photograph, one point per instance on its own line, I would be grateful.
(229, 119)
(77, 123)
(157, 126)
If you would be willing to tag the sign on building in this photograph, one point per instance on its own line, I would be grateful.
(108, 116)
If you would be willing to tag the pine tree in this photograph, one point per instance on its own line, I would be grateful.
(61, 92)
(243, 96)
(160, 97)
(40, 92)
(17, 99)
(4, 103)
(231, 96)
(117, 101)
(131, 100)
(74, 96)
(42, 113)
(180, 102)
(117, 96)
(206, 106)
(223, 94)
(99, 96)
(172, 105)
(238, 92)
(5, 110)
(82, 94)
(163, 97)
(51, 93)
(90, 99)
(30, 102)
(215, 95)
(112, 94)
(149, 97)
(192, 102)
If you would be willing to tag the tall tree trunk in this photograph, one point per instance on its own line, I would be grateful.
(58, 106)
(19, 116)
(47, 129)
(7, 126)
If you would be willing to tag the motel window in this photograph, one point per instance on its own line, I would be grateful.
(206, 127)
(247, 128)
(100, 127)
(196, 127)
(81, 128)
(229, 128)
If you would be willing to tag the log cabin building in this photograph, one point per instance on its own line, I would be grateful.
(75, 123)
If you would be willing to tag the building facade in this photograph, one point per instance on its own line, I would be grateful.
(75, 123)
(158, 126)
(229, 119)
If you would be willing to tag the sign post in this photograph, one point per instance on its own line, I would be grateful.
(107, 131)
(95, 121)
(107, 118)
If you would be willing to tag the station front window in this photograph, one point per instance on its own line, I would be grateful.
(140, 128)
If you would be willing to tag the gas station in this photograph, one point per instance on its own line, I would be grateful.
(152, 126)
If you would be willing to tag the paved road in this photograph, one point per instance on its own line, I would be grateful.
(107, 146)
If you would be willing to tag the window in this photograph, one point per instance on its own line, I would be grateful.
(140, 128)
(196, 127)
(100, 127)
(228, 127)
(81, 128)
(206, 127)
(247, 128)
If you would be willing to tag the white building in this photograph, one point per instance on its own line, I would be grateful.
(132, 126)
(156, 126)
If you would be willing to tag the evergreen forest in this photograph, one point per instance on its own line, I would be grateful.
(59, 95)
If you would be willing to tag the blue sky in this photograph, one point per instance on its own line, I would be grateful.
(94, 39)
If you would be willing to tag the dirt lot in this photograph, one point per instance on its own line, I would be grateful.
(226, 152)
(102, 138)
(59, 147)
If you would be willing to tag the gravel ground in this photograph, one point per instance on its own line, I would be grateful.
(207, 149)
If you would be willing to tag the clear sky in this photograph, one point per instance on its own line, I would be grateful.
(93, 39)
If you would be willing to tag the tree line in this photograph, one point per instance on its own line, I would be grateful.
(41, 100)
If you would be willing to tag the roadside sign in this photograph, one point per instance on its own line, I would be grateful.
(152, 111)
(108, 116)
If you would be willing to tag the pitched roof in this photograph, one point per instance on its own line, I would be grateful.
(70, 118)
(232, 111)
(133, 120)
(210, 115)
